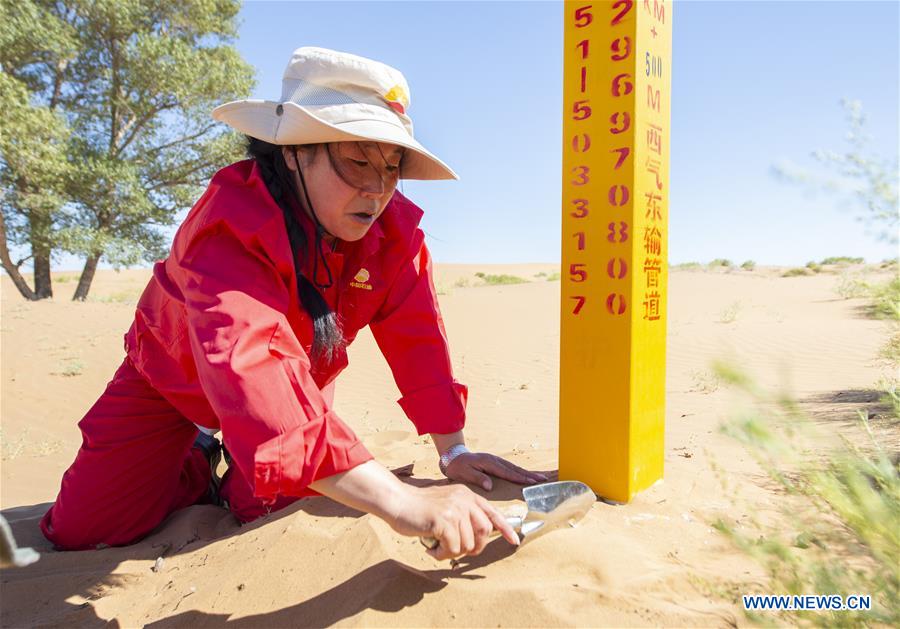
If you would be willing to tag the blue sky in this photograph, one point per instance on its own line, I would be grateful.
(754, 84)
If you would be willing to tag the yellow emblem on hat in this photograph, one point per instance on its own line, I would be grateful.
(397, 99)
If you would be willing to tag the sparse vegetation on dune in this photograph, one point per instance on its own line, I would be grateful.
(885, 300)
(796, 271)
(495, 280)
(843, 260)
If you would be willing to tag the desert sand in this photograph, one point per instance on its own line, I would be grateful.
(656, 561)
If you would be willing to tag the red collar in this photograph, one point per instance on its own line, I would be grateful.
(354, 253)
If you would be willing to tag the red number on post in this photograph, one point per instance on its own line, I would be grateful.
(626, 122)
(579, 303)
(584, 44)
(583, 79)
(580, 107)
(620, 191)
(623, 232)
(583, 175)
(579, 236)
(623, 153)
(617, 89)
(585, 143)
(611, 268)
(583, 13)
(628, 4)
(581, 208)
(615, 304)
(617, 48)
(577, 272)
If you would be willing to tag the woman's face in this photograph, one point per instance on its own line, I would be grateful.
(349, 183)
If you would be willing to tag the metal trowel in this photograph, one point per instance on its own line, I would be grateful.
(550, 506)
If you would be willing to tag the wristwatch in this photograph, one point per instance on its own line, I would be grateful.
(449, 454)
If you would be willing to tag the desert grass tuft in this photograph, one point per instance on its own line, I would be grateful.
(498, 280)
(842, 260)
(730, 314)
(796, 272)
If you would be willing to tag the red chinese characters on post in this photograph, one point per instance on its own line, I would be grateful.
(651, 306)
(653, 268)
(652, 241)
(654, 138)
(653, 168)
(653, 206)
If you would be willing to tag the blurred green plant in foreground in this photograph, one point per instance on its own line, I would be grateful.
(838, 510)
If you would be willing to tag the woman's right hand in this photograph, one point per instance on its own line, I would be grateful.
(458, 518)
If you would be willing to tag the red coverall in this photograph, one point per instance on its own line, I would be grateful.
(221, 340)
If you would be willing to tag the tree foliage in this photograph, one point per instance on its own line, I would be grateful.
(110, 134)
(871, 180)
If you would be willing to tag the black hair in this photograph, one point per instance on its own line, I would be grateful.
(328, 338)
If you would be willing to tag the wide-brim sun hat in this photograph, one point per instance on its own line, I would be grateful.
(331, 96)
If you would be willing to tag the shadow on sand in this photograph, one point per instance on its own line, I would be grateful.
(41, 594)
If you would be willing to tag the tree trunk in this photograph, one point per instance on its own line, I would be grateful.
(87, 276)
(39, 231)
(12, 269)
(43, 288)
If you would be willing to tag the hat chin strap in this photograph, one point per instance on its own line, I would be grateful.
(320, 232)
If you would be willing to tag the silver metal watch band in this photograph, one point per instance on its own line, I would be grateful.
(451, 453)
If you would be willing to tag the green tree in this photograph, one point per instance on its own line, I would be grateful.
(133, 82)
(33, 137)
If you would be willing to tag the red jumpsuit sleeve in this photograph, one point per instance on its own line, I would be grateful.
(254, 371)
(410, 332)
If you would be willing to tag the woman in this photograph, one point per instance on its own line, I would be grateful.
(243, 329)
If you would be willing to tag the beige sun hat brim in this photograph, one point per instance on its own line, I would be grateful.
(297, 125)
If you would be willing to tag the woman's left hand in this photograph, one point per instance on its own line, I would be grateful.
(478, 468)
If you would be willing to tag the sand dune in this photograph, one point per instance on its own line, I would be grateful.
(656, 561)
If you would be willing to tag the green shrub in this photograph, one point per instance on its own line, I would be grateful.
(891, 349)
(851, 287)
(814, 267)
(495, 280)
(553, 277)
(885, 300)
(749, 265)
(795, 272)
(688, 265)
(71, 367)
(843, 260)
(720, 262)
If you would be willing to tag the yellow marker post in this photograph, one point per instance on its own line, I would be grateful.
(616, 88)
